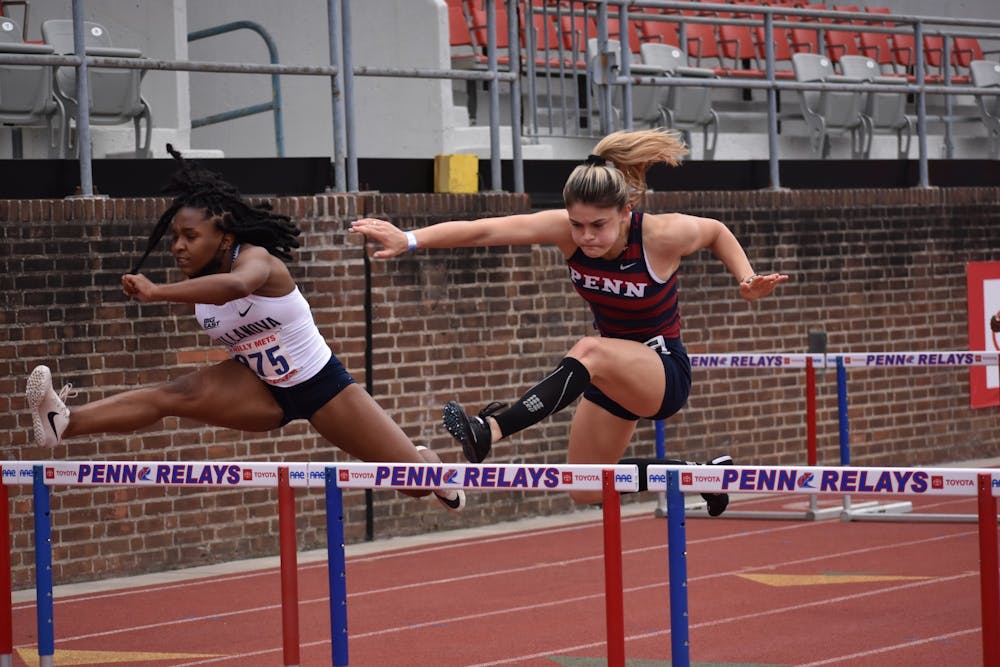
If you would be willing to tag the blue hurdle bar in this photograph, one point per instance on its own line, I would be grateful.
(337, 567)
(43, 569)
(680, 644)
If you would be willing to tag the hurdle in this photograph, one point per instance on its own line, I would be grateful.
(984, 484)
(42, 475)
(332, 478)
(898, 511)
(611, 481)
(805, 362)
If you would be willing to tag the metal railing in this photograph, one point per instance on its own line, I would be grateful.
(620, 74)
(342, 70)
(274, 105)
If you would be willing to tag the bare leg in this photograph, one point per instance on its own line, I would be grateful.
(357, 424)
(629, 373)
(227, 394)
(597, 436)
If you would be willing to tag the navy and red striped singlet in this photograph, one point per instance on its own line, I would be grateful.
(628, 300)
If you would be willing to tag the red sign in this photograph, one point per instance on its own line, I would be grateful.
(983, 280)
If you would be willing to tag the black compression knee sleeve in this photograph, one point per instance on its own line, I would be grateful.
(555, 392)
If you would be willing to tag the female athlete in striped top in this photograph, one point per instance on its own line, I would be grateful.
(624, 264)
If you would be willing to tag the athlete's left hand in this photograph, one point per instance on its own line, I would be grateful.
(760, 286)
(139, 287)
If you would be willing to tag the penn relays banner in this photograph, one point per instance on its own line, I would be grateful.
(807, 479)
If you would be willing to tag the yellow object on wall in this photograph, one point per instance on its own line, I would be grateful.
(456, 173)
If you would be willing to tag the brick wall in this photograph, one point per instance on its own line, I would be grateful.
(877, 270)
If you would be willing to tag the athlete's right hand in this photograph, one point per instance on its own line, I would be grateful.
(139, 287)
(393, 239)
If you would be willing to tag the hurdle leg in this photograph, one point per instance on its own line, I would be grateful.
(613, 585)
(336, 567)
(289, 570)
(661, 453)
(680, 648)
(6, 609)
(989, 577)
(43, 569)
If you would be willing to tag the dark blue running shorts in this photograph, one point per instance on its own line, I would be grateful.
(301, 401)
(676, 372)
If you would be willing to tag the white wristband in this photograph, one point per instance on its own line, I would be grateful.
(411, 241)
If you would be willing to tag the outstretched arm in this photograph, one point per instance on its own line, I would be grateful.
(696, 233)
(250, 272)
(523, 229)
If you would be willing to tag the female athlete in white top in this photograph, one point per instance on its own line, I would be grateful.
(245, 298)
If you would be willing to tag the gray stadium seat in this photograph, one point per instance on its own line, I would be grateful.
(683, 108)
(26, 93)
(825, 111)
(884, 111)
(986, 74)
(643, 97)
(115, 94)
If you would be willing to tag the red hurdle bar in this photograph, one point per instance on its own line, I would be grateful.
(289, 570)
(613, 585)
(988, 570)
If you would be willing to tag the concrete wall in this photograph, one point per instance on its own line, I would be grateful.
(876, 270)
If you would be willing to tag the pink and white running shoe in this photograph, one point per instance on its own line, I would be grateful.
(49, 414)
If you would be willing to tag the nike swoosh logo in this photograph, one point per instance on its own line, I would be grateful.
(52, 422)
(244, 312)
(625, 267)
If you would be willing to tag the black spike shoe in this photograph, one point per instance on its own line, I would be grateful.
(473, 433)
(717, 503)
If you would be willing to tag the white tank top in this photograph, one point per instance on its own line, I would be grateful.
(274, 336)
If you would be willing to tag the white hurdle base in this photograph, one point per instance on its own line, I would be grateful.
(698, 509)
(891, 513)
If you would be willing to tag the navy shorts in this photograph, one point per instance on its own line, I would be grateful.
(676, 372)
(301, 401)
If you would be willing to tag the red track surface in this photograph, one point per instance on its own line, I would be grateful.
(876, 594)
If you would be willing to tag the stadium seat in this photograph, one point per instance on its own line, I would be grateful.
(884, 111)
(878, 45)
(463, 50)
(840, 43)
(806, 39)
(736, 44)
(26, 94)
(782, 48)
(657, 31)
(825, 111)
(644, 103)
(478, 29)
(703, 46)
(684, 108)
(115, 94)
(986, 74)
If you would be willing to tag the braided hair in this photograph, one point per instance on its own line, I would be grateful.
(196, 187)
